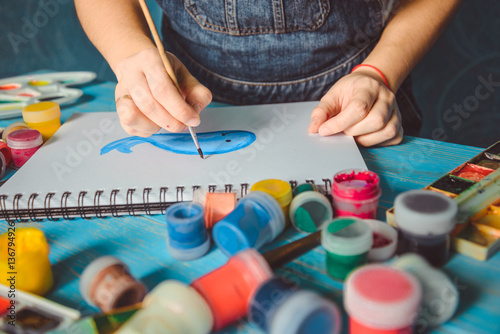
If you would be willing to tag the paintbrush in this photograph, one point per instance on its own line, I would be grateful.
(166, 63)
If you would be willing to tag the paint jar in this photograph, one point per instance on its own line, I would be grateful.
(216, 205)
(188, 238)
(229, 288)
(171, 307)
(278, 306)
(356, 192)
(381, 300)
(385, 240)
(280, 190)
(107, 283)
(303, 187)
(32, 265)
(309, 211)
(440, 296)
(5, 152)
(23, 144)
(346, 242)
(425, 219)
(13, 127)
(256, 221)
(44, 117)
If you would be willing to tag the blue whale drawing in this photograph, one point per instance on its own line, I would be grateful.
(218, 142)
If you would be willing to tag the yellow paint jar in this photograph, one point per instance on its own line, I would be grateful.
(44, 117)
(280, 190)
(25, 252)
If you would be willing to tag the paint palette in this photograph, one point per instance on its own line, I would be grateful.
(18, 92)
(31, 313)
(475, 186)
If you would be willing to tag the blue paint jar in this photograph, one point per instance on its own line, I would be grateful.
(279, 306)
(188, 238)
(257, 220)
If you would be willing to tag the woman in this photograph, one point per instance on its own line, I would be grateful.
(268, 51)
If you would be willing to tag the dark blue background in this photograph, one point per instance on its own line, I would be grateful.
(34, 37)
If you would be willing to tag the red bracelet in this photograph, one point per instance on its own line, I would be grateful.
(376, 69)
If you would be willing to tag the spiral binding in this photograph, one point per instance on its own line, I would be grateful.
(102, 209)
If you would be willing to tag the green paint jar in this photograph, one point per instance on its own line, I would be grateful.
(347, 241)
(303, 187)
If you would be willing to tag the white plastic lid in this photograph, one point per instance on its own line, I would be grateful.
(382, 297)
(189, 254)
(92, 270)
(385, 252)
(346, 236)
(299, 311)
(440, 296)
(425, 212)
(310, 197)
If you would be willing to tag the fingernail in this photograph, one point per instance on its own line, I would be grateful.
(324, 131)
(193, 121)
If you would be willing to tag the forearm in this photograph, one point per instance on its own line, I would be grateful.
(408, 36)
(116, 27)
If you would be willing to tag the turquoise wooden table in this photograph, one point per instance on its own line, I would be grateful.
(140, 241)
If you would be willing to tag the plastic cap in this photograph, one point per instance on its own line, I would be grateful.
(41, 112)
(13, 127)
(315, 204)
(425, 212)
(384, 252)
(346, 236)
(382, 297)
(279, 189)
(24, 139)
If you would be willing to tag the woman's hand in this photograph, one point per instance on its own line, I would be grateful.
(360, 105)
(147, 99)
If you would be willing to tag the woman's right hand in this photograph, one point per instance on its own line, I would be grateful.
(147, 99)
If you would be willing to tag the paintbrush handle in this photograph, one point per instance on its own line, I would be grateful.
(159, 44)
(284, 254)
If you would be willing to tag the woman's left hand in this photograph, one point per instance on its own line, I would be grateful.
(360, 105)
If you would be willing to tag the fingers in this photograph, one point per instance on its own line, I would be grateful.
(376, 120)
(356, 110)
(322, 112)
(197, 95)
(391, 134)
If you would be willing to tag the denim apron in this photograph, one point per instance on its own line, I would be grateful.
(271, 51)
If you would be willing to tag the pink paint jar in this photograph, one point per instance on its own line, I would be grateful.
(381, 300)
(23, 144)
(356, 192)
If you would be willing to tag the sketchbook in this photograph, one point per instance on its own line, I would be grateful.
(92, 168)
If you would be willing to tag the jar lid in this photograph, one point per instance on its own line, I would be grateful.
(279, 189)
(381, 230)
(382, 297)
(309, 211)
(13, 127)
(346, 236)
(425, 212)
(357, 184)
(41, 112)
(23, 139)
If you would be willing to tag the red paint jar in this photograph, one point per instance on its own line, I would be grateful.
(23, 144)
(381, 300)
(356, 192)
(228, 289)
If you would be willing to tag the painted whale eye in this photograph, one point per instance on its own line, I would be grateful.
(228, 140)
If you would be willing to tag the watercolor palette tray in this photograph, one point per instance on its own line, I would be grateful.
(31, 313)
(18, 92)
(475, 186)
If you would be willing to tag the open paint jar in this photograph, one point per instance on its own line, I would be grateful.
(385, 240)
(257, 220)
(309, 210)
(347, 242)
(381, 300)
(44, 117)
(440, 296)
(23, 144)
(356, 192)
(108, 284)
(188, 238)
(229, 288)
(425, 219)
(171, 307)
(278, 306)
